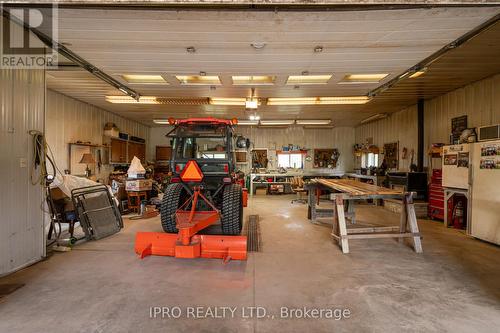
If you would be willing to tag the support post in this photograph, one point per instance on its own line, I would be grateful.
(420, 135)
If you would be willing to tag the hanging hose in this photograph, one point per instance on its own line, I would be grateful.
(40, 158)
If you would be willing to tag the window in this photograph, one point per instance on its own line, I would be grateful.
(201, 147)
(369, 160)
(290, 161)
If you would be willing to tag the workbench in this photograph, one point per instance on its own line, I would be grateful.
(348, 191)
(260, 178)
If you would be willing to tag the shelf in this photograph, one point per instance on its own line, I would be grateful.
(291, 152)
(87, 145)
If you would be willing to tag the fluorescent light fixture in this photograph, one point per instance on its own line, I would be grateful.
(252, 103)
(418, 73)
(278, 122)
(308, 79)
(363, 78)
(317, 100)
(130, 100)
(254, 117)
(374, 117)
(228, 101)
(144, 79)
(248, 122)
(313, 121)
(161, 121)
(253, 80)
(198, 79)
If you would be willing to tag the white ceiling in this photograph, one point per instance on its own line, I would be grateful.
(155, 41)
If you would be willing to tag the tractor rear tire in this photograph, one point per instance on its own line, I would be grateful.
(232, 210)
(169, 205)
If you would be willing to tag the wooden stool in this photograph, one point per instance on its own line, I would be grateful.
(135, 198)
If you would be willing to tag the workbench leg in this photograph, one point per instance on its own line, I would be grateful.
(412, 221)
(403, 222)
(335, 225)
(312, 204)
(350, 210)
(344, 244)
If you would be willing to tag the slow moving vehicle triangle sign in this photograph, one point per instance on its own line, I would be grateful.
(191, 172)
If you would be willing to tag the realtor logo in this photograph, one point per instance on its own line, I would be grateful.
(20, 48)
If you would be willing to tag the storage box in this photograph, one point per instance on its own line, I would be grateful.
(139, 185)
(261, 191)
(113, 132)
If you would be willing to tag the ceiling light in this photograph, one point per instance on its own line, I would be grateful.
(198, 79)
(362, 78)
(258, 45)
(317, 100)
(277, 122)
(253, 80)
(144, 79)
(130, 100)
(308, 79)
(418, 73)
(251, 103)
(161, 121)
(248, 122)
(228, 101)
(190, 49)
(254, 117)
(313, 121)
(374, 117)
(318, 49)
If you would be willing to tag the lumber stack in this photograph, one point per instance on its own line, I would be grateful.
(356, 188)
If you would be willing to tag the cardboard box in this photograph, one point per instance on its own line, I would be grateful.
(139, 185)
(261, 191)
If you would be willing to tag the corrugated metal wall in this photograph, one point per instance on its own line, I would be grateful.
(69, 120)
(480, 101)
(400, 126)
(22, 107)
(341, 138)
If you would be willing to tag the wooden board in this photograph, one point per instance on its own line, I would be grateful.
(355, 188)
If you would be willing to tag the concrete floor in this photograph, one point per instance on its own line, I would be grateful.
(103, 287)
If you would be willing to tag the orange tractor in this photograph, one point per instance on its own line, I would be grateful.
(204, 190)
